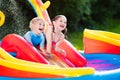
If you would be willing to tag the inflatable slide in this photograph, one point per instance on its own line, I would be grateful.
(25, 51)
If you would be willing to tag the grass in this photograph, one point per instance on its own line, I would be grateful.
(76, 39)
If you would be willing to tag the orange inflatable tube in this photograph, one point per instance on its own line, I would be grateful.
(24, 74)
(97, 46)
(25, 51)
(97, 41)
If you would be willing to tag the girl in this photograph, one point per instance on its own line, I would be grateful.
(59, 24)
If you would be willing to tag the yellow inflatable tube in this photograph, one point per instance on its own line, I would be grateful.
(8, 57)
(109, 37)
(2, 18)
(38, 8)
(18, 64)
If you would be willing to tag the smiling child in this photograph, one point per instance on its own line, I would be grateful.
(36, 35)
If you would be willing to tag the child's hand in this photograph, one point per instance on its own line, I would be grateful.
(63, 52)
(49, 55)
(45, 53)
(48, 24)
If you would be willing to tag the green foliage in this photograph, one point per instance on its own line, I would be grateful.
(76, 11)
(112, 25)
(17, 16)
(104, 9)
(85, 13)
(80, 14)
(76, 38)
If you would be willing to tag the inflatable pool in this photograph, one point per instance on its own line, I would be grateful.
(99, 61)
(99, 67)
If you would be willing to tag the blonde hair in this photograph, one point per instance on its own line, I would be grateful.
(35, 20)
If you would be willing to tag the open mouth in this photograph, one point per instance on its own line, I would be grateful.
(40, 29)
(61, 26)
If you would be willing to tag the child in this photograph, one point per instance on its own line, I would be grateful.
(36, 36)
(54, 35)
(59, 24)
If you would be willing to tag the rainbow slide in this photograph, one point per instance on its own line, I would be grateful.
(96, 41)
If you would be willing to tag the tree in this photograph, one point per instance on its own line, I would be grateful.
(17, 16)
(76, 11)
(101, 10)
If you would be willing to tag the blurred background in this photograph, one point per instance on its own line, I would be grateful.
(92, 14)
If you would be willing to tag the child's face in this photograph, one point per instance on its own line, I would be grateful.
(60, 23)
(38, 26)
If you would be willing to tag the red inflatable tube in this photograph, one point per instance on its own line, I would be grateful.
(72, 54)
(5, 71)
(25, 51)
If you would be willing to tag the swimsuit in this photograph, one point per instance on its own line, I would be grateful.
(34, 39)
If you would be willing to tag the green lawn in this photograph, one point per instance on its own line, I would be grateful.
(76, 39)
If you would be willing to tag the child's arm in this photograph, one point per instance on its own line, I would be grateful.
(58, 43)
(48, 33)
(43, 51)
